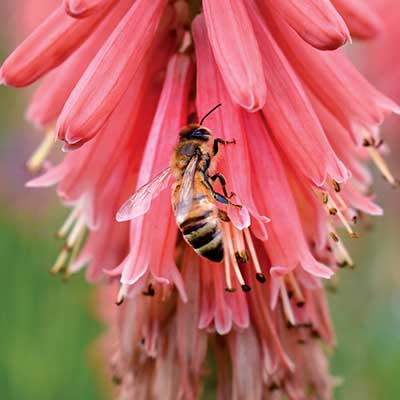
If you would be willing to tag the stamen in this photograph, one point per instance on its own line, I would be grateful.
(382, 166)
(228, 277)
(66, 226)
(340, 250)
(334, 209)
(295, 288)
(331, 204)
(122, 293)
(287, 308)
(240, 253)
(342, 203)
(235, 264)
(259, 274)
(345, 254)
(76, 248)
(61, 260)
(35, 162)
(76, 232)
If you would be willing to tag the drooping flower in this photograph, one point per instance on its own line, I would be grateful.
(379, 57)
(120, 79)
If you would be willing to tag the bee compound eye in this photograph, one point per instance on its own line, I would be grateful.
(200, 133)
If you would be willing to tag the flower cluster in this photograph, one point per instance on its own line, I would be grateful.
(120, 79)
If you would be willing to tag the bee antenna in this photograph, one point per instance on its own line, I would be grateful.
(210, 112)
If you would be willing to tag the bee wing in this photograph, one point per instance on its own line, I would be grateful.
(186, 190)
(140, 201)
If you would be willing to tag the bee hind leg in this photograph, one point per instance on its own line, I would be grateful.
(218, 141)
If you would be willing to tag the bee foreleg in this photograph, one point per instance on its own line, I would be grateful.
(222, 180)
(218, 141)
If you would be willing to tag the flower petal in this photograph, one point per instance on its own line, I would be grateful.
(339, 87)
(109, 74)
(362, 21)
(233, 43)
(291, 117)
(316, 21)
(235, 159)
(49, 99)
(47, 47)
(84, 8)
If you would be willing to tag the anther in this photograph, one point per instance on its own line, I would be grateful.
(150, 291)
(366, 142)
(241, 253)
(259, 274)
(333, 211)
(122, 293)
(294, 287)
(343, 219)
(242, 257)
(336, 186)
(245, 288)
(230, 289)
(325, 197)
(260, 277)
(35, 162)
(334, 236)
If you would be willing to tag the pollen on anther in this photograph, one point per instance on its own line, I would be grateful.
(245, 288)
(261, 277)
(122, 293)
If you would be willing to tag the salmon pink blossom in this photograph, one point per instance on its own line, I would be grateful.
(119, 81)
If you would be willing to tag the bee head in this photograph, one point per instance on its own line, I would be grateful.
(195, 131)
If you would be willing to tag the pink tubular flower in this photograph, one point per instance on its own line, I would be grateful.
(120, 81)
(380, 57)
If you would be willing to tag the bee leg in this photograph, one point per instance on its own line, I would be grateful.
(222, 180)
(222, 199)
(218, 196)
(223, 216)
(218, 141)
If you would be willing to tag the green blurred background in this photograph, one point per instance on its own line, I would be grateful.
(47, 326)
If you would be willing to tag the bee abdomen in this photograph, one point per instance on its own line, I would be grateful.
(204, 235)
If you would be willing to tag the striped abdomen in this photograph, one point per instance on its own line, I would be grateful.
(202, 229)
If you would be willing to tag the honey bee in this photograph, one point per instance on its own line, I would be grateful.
(193, 195)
